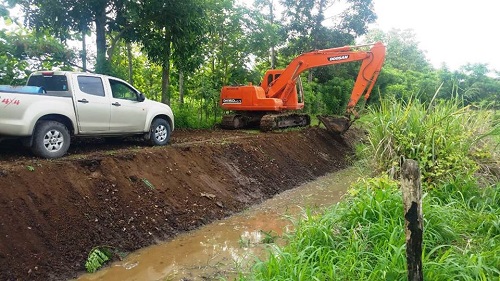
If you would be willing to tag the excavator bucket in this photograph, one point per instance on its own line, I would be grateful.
(335, 124)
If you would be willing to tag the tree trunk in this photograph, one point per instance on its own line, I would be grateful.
(84, 52)
(181, 87)
(273, 51)
(216, 107)
(165, 84)
(113, 44)
(412, 201)
(100, 26)
(130, 64)
(165, 79)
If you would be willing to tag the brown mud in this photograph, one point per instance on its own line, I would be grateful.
(126, 195)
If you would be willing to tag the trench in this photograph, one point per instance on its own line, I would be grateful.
(225, 247)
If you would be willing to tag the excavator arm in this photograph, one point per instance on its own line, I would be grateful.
(372, 61)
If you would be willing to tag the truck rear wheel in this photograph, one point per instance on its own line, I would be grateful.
(159, 134)
(51, 139)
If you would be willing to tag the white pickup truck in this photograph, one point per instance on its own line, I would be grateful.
(57, 105)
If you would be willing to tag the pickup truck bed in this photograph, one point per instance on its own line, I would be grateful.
(21, 89)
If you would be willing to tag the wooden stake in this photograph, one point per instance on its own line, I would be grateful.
(412, 201)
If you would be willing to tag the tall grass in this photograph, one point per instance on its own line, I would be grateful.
(444, 138)
(362, 238)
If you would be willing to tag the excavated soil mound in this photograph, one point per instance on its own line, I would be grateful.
(127, 195)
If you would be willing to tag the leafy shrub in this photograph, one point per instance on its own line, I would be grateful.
(444, 138)
(190, 116)
(98, 256)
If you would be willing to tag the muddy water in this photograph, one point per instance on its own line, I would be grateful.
(222, 248)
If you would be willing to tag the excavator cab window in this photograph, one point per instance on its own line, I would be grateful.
(271, 78)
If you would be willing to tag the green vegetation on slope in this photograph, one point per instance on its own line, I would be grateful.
(445, 138)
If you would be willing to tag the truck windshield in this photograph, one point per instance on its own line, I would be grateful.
(49, 83)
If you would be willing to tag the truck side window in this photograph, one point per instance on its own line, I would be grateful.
(122, 91)
(91, 85)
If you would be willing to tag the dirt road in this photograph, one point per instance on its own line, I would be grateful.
(127, 195)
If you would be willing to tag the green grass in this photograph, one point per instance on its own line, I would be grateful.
(362, 237)
(444, 138)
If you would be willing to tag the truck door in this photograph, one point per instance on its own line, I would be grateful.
(128, 112)
(92, 105)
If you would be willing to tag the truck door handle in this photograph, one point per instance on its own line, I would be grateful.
(83, 101)
(116, 104)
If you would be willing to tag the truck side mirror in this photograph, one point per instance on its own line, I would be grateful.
(141, 97)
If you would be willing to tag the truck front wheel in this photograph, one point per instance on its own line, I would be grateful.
(51, 139)
(159, 133)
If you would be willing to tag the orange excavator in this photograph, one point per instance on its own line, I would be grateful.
(273, 104)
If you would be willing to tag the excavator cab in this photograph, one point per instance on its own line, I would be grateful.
(294, 99)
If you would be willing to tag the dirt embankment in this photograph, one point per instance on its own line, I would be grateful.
(127, 195)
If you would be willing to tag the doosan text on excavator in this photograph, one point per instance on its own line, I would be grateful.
(274, 104)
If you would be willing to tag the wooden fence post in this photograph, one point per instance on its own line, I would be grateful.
(412, 202)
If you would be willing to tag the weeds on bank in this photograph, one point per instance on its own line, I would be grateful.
(269, 237)
(148, 183)
(444, 137)
(362, 237)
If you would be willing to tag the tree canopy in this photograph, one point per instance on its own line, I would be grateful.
(183, 52)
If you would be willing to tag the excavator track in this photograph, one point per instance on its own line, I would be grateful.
(241, 120)
(266, 122)
(232, 121)
(271, 122)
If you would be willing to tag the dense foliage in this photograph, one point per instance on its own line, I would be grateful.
(445, 137)
(183, 52)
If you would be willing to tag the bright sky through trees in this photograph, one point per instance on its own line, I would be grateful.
(452, 31)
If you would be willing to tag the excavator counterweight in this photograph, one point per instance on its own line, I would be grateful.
(274, 104)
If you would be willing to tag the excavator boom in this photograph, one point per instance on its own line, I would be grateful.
(278, 91)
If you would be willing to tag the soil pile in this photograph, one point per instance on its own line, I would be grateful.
(127, 195)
